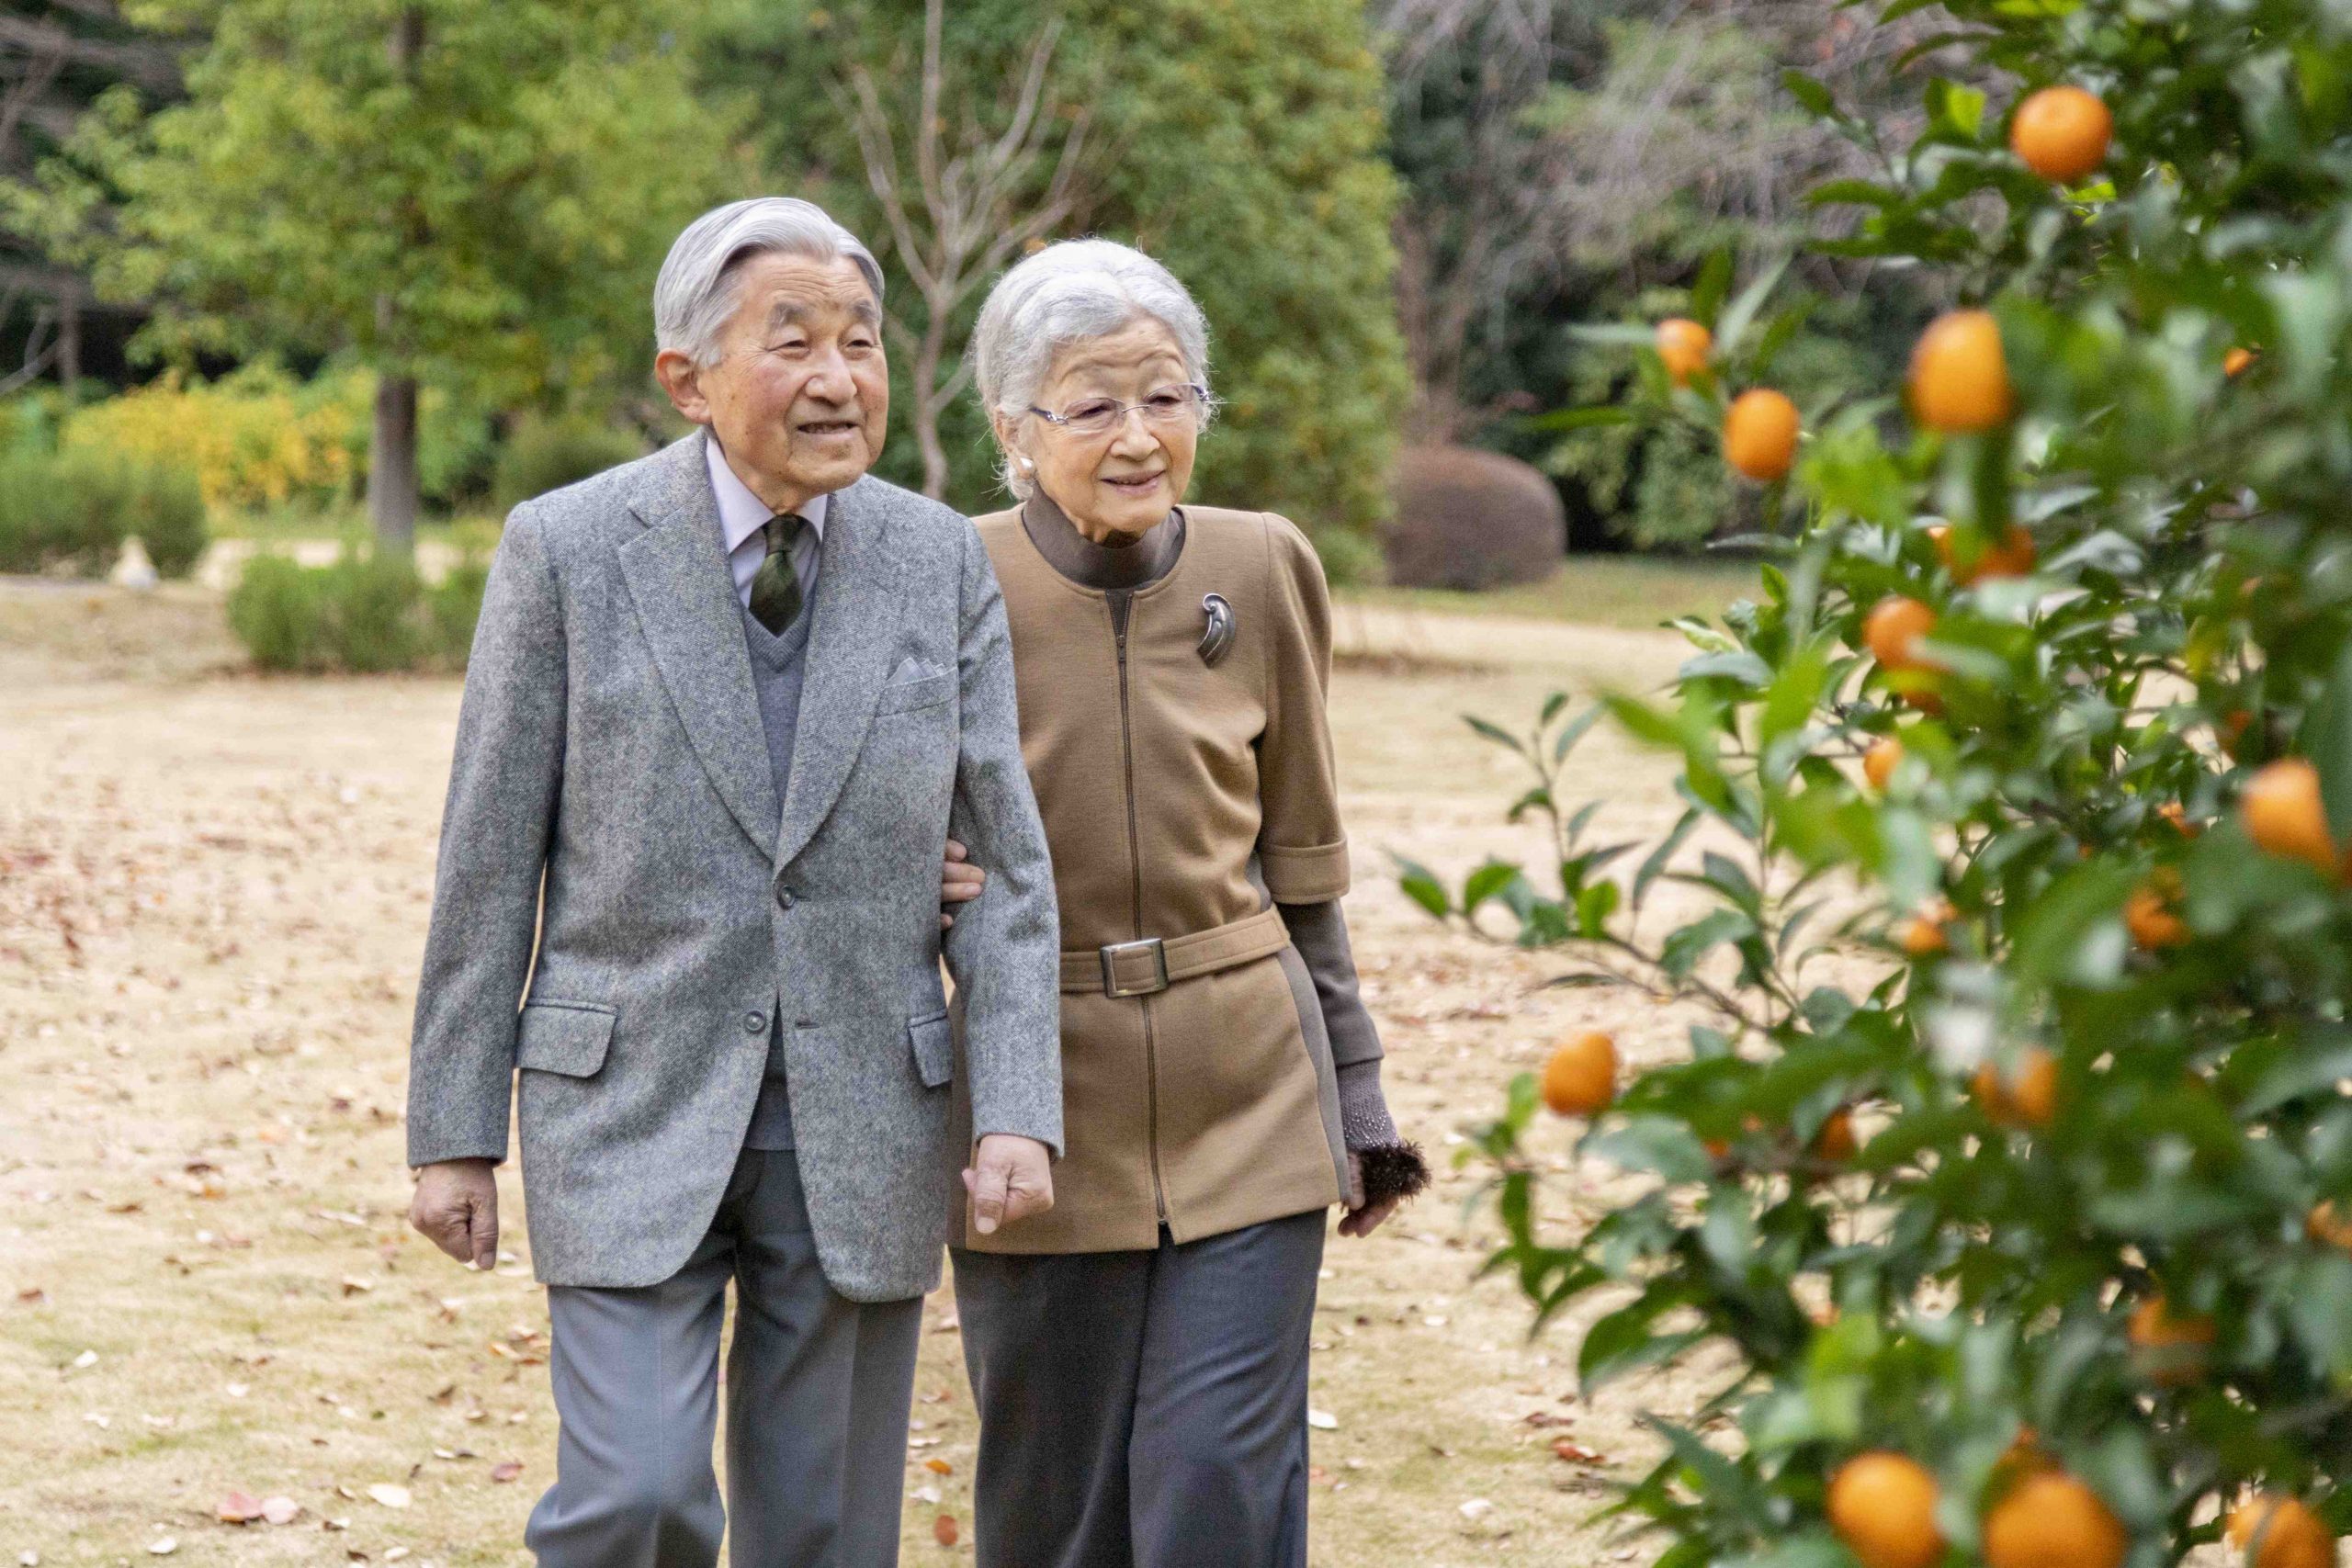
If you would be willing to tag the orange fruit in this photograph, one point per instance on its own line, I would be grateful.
(2233, 362)
(2175, 813)
(2061, 133)
(1891, 627)
(1581, 1078)
(2327, 1225)
(2148, 914)
(1960, 381)
(1883, 1505)
(2281, 1532)
(1879, 761)
(2050, 1519)
(1836, 1141)
(1683, 344)
(2013, 556)
(2172, 1348)
(2284, 815)
(1922, 936)
(1927, 702)
(1761, 435)
(2025, 1096)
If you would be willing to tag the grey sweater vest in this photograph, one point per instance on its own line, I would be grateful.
(777, 664)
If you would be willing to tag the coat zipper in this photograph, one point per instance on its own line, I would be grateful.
(1120, 607)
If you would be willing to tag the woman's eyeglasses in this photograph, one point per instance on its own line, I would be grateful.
(1095, 416)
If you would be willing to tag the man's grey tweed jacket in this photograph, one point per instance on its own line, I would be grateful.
(610, 741)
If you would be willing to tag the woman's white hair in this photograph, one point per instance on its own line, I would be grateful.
(1066, 294)
(695, 294)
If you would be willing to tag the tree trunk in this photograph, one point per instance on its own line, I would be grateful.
(68, 347)
(934, 456)
(392, 465)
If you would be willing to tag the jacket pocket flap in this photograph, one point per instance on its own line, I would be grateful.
(900, 695)
(934, 1046)
(570, 1038)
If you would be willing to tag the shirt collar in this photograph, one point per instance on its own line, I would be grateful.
(741, 513)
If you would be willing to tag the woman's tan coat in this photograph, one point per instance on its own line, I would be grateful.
(1179, 797)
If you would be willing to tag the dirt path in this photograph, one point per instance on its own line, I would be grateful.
(212, 897)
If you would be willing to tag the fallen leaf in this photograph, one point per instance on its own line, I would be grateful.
(86, 1359)
(396, 1554)
(33, 1295)
(1322, 1420)
(163, 1546)
(926, 1494)
(507, 1471)
(354, 1286)
(390, 1496)
(943, 1529)
(1577, 1453)
(280, 1510)
(1478, 1508)
(238, 1508)
(938, 1466)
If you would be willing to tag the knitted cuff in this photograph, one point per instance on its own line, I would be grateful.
(1393, 1168)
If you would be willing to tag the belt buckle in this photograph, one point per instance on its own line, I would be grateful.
(1110, 955)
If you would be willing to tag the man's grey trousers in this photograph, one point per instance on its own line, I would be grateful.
(817, 1388)
(1144, 1409)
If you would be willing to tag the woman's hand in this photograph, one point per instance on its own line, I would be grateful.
(960, 882)
(1361, 1220)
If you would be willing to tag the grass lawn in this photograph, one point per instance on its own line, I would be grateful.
(1603, 590)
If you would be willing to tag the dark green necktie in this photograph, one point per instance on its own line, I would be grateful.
(775, 587)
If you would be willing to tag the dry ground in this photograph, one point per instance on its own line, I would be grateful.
(213, 890)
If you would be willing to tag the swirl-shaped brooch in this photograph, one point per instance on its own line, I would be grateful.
(1219, 636)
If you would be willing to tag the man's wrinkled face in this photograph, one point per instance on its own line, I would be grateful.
(799, 395)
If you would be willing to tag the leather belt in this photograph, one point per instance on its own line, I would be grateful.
(1143, 968)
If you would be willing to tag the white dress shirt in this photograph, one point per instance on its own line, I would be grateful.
(741, 515)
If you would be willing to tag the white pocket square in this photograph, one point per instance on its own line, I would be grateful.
(913, 668)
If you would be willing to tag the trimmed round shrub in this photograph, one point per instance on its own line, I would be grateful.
(366, 613)
(543, 453)
(1469, 519)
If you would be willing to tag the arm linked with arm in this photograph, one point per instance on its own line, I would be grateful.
(1004, 950)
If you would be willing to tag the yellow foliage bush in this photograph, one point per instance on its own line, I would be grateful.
(258, 439)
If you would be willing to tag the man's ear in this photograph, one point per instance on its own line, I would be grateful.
(682, 378)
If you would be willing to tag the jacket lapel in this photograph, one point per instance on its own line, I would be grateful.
(685, 602)
(855, 628)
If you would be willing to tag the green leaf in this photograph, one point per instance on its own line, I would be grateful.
(1485, 882)
(1714, 283)
(2326, 738)
(1657, 1144)
(1421, 885)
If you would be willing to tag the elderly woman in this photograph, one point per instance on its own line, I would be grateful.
(1139, 1353)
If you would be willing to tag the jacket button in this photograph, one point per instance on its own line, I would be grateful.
(754, 1022)
(786, 895)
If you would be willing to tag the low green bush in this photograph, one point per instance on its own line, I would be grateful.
(543, 453)
(368, 614)
(73, 511)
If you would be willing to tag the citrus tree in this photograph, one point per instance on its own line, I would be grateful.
(2001, 1184)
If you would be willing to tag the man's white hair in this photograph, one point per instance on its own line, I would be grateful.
(695, 294)
(1066, 294)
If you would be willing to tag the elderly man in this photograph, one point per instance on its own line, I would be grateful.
(725, 705)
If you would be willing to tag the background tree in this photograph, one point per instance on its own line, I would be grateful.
(56, 58)
(957, 209)
(2015, 1232)
(1241, 145)
(472, 196)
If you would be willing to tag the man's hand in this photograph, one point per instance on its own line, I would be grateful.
(1360, 1220)
(1011, 1179)
(455, 1208)
(960, 882)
